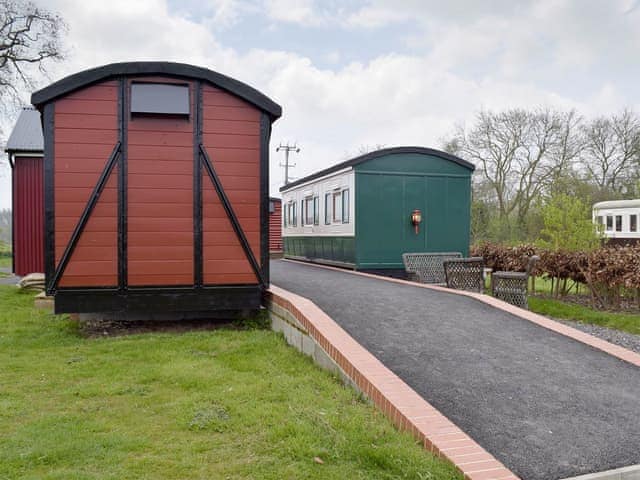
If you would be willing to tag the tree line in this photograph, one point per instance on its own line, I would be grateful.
(526, 158)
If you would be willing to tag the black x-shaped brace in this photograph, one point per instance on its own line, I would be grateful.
(99, 187)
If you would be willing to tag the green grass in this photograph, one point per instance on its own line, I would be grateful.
(5, 261)
(223, 404)
(555, 308)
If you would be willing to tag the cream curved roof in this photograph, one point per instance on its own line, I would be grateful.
(617, 204)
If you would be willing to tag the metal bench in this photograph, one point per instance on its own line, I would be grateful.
(513, 287)
(465, 274)
(427, 267)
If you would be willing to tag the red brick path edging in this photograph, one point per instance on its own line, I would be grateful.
(406, 408)
(607, 347)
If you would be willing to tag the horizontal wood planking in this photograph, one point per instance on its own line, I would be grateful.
(160, 266)
(160, 279)
(231, 134)
(218, 231)
(246, 142)
(155, 252)
(230, 265)
(85, 133)
(216, 210)
(77, 136)
(159, 124)
(160, 224)
(231, 113)
(72, 194)
(213, 278)
(66, 154)
(70, 120)
(157, 140)
(168, 239)
(89, 281)
(172, 153)
(84, 107)
(100, 91)
(159, 195)
(161, 210)
(102, 268)
(153, 179)
(233, 127)
(88, 250)
(160, 199)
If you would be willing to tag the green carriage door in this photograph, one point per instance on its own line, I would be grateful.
(383, 224)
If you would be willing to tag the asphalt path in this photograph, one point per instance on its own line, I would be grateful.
(545, 405)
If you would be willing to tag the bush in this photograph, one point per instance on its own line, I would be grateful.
(609, 272)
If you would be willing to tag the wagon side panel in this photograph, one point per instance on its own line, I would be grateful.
(85, 134)
(231, 137)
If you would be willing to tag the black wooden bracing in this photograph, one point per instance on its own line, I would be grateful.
(231, 214)
(49, 195)
(197, 190)
(84, 218)
(265, 135)
(123, 115)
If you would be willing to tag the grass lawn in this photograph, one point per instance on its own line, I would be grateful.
(555, 308)
(222, 404)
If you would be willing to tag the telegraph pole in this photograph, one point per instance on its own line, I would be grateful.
(287, 148)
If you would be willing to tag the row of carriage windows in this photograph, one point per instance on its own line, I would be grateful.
(336, 210)
(611, 221)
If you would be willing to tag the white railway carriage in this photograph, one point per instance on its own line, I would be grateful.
(619, 219)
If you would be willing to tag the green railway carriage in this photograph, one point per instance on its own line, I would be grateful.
(366, 212)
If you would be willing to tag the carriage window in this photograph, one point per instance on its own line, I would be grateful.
(327, 209)
(316, 210)
(337, 207)
(302, 214)
(633, 223)
(609, 223)
(618, 223)
(285, 215)
(290, 215)
(310, 210)
(159, 98)
(345, 206)
(599, 220)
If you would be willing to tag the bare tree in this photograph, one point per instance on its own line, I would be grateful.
(612, 152)
(30, 37)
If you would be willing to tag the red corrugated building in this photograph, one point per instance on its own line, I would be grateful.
(156, 189)
(275, 225)
(24, 149)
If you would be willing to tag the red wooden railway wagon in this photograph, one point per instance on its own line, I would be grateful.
(24, 148)
(156, 190)
(275, 225)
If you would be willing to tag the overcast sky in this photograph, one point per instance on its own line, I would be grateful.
(363, 73)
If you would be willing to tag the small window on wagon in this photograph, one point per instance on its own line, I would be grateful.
(310, 210)
(316, 210)
(599, 220)
(345, 206)
(618, 223)
(337, 207)
(159, 99)
(328, 212)
(609, 226)
(633, 223)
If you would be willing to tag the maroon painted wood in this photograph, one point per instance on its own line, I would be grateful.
(275, 226)
(28, 203)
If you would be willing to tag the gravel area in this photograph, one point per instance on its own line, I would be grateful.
(624, 339)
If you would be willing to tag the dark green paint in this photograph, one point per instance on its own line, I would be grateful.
(339, 250)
